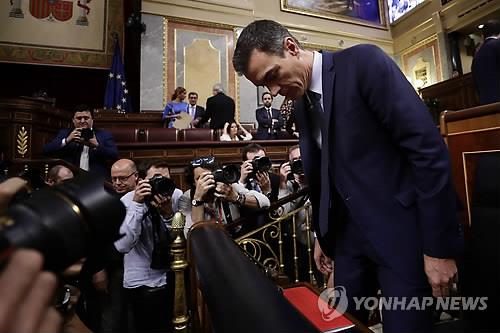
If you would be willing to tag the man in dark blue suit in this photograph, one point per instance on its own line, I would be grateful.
(269, 119)
(90, 151)
(195, 111)
(384, 207)
(486, 64)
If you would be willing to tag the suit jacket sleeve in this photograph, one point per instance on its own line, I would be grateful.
(404, 116)
(208, 111)
(279, 124)
(55, 146)
(262, 118)
(486, 72)
(107, 147)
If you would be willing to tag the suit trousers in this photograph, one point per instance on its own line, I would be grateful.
(359, 269)
(152, 308)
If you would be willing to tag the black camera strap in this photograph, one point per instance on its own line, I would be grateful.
(226, 211)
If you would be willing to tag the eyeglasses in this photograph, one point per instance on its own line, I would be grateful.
(122, 179)
(207, 160)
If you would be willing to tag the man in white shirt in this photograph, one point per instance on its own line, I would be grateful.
(195, 111)
(146, 244)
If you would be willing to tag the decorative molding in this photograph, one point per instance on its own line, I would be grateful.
(22, 142)
(164, 60)
(339, 17)
(200, 23)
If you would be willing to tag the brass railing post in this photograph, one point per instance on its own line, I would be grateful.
(179, 264)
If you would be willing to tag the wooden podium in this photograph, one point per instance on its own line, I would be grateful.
(26, 124)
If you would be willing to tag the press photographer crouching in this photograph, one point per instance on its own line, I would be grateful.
(215, 193)
(146, 244)
(86, 214)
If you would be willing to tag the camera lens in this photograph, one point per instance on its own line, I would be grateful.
(85, 212)
(228, 174)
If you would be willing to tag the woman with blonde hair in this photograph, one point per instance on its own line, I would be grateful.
(175, 106)
(235, 132)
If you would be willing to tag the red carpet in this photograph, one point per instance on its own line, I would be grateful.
(306, 301)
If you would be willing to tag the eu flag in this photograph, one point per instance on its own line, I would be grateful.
(116, 96)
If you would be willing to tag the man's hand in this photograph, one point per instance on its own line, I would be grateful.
(323, 263)
(8, 189)
(93, 143)
(264, 182)
(142, 190)
(164, 205)
(226, 192)
(285, 170)
(204, 184)
(246, 169)
(440, 274)
(100, 281)
(26, 295)
(75, 135)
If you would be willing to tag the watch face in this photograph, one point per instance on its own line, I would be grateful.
(194, 202)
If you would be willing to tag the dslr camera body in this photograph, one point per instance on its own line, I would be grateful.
(161, 185)
(86, 134)
(296, 167)
(260, 164)
(228, 174)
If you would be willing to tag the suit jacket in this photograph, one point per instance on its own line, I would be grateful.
(199, 113)
(220, 109)
(486, 71)
(266, 129)
(98, 158)
(382, 159)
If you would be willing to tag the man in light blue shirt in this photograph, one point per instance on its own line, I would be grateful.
(148, 219)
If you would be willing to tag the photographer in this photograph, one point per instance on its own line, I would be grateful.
(83, 146)
(255, 173)
(215, 193)
(293, 180)
(146, 241)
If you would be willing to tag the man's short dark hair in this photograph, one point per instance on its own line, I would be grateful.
(491, 28)
(83, 108)
(263, 35)
(189, 171)
(251, 148)
(266, 93)
(145, 166)
(192, 93)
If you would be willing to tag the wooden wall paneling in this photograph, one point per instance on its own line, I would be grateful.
(453, 94)
(469, 133)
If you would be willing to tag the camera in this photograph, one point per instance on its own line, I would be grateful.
(228, 174)
(161, 185)
(86, 134)
(85, 215)
(260, 164)
(296, 168)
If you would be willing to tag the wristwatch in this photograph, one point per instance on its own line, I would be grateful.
(197, 203)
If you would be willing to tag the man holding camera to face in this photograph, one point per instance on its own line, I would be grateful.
(215, 193)
(146, 244)
(255, 173)
(83, 146)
